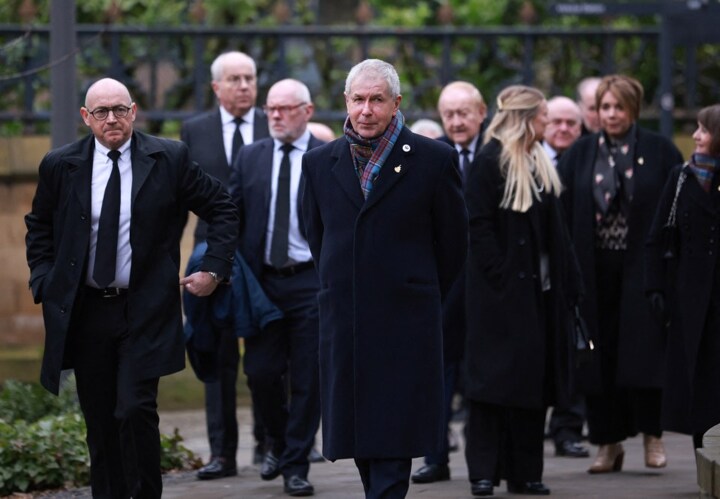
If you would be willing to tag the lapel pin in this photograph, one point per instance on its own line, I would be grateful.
(398, 168)
(406, 147)
(641, 160)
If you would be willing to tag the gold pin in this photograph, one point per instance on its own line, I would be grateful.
(398, 168)
(641, 160)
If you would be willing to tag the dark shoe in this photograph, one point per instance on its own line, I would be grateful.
(528, 488)
(315, 456)
(270, 468)
(431, 473)
(297, 486)
(217, 468)
(481, 487)
(258, 454)
(568, 448)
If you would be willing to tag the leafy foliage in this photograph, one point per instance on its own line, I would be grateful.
(42, 441)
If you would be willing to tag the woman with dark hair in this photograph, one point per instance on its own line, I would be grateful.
(687, 278)
(518, 281)
(613, 181)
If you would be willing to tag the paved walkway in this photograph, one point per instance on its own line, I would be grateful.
(566, 477)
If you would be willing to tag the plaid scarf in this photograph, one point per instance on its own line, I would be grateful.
(370, 155)
(704, 169)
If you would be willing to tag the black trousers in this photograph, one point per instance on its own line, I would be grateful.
(281, 364)
(566, 422)
(616, 412)
(120, 411)
(384, 478)
(221, 400)
(504, 442)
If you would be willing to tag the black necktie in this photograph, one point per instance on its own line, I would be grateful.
(237, 140)
(107, 240)
(279, 246)
(464, 162)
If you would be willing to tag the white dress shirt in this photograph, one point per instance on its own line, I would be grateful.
(101, 169)
(228, 127)
(298, 249)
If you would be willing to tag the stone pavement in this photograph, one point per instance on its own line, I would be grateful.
(566, 477)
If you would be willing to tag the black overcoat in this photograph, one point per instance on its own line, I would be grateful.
(165, 185)
(384, 264)
(510, 338)
(691, 285)
(641, 343)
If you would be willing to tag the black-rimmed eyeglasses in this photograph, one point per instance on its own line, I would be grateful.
(101, 113)
(282, 109)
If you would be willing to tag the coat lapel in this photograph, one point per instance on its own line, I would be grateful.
(344, 173)
(142, 163)
(395, 167)
(80, 172)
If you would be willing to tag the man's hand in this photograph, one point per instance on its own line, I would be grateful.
(200, 283)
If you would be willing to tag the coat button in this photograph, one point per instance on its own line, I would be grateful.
(83, 217)
(521, 275)
(63, 309)
(521, 241)
(73, 262)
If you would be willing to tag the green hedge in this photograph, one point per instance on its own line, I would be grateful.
(42, 441)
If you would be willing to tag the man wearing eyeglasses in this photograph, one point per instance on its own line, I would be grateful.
(103, 246)
(265, 185)
(214, 139)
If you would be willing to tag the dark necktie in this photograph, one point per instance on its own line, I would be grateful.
(464, 162)
(237, 141)
(279, 246)
(107, 240)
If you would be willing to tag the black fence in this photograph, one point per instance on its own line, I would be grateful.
(167, 70)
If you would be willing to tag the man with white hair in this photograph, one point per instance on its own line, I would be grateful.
(387, 228)
(586, 99)
(563, 128)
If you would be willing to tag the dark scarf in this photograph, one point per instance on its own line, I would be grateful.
(613, 174)
(704, 167)
(370, 155)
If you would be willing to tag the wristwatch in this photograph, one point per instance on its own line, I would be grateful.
(215, 277)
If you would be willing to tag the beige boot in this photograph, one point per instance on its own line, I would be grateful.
(654, 452)
(609, 458)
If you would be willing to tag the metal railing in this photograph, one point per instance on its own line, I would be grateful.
(167, 70)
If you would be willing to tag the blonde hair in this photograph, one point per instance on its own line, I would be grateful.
(523, 161)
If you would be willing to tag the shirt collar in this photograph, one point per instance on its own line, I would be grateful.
(104, 150)
(226, 117)
(300, 143)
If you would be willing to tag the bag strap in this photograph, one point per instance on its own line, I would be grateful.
(673, 208)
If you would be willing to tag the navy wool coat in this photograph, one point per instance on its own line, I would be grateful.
(641, 339)
(384, 265)
(165, 185)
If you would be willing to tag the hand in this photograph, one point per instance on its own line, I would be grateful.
(199, 284)
(657, 305)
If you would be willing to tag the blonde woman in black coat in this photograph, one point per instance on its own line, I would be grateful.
(613, 180)
(516, 297)
(689, 282)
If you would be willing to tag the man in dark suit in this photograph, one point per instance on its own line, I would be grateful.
(265, 185)
(462, 110)
(568, 416)
(103, 246)
(387, 227)
(214, 139)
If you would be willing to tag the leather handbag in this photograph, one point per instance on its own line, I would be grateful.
(670, 236)
(581, 335)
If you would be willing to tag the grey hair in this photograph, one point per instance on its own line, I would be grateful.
(378, 68)
(217, 68)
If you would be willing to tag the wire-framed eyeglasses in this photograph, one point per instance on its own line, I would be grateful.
(101, 113)
(282, 109)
